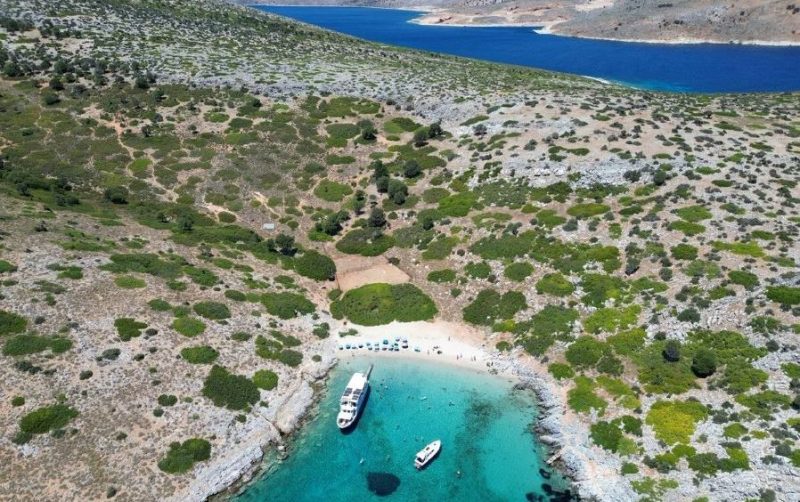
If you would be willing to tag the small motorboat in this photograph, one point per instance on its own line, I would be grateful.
(427, 454)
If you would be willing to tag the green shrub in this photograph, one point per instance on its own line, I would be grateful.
(265, 379)
(287, 305)
(235, 295)
(582, 398)
(227, 390)
(128, 328)
(332, 191)
(212, 310)
(479, 270)
(627, 343)
(21, 345)
(47, 418)
(587, 210)
(315, 266)
(6, 267)
(11, 323)
(458, 204)
(159, 305)
(440, 276)
(748, 280)
(167, 400)
(201, 354)
(585, 352)
(611, 320)
(129, 282)
(518, 271)
(606, 435)
(687, 228)
(554, 284)
(376, 304)
(674, 421)
(785, 295)
(601, 287)
(541, 331)
(684, 252)
(734, 430)
(181, 457)
(188, 326)
(365, 242)
(704, 363)
(693, 214)
(629, 468)
(560, 371)
(490, 306)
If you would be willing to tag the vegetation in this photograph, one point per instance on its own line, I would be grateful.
(376, 304)
(230, 391)
(181, 457)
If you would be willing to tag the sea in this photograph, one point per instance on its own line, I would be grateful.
(489, 448)
(699, 68)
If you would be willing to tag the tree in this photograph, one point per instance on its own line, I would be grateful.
(332, 224)
(435, 130)
(420, 138)
(379, 170)
(285, 244)
(672, 351)
(632, 176)
(412, 169)
(659, 177)
(704, 363)
(377, 219)
(368, 132)
(116, 195)
(359, 201)
(56, 84)
(382, 184)
(480, 130)
(141, 82)
(398, 191)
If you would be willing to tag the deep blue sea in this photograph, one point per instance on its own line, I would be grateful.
(689, 68)
(489, 451)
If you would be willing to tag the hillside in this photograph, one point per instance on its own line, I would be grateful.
(753, 21)
(190, 226)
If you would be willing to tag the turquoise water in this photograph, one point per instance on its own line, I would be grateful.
(668, 67)
(484, 425)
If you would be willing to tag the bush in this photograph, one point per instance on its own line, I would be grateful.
(332, 191)
(684, 252)
(22, 345)
(518, 271)
(582, 398)
(672, 351)
(182, 456)
(234, 392)
(129, 282)
(159, 305)
(315, 266)
(287, 305)
(201, 354)
(188, 326)
(587, 210)
(785, 295)
(128, 328)
(748, 280)
(674, 421)
(704, 363)
(554, 284)
(47, 419)
(365, 242)
(490, 306)
(11, 323)
(440, 276)
(235, 295)
(376, 304)
(611, 319)
(585, 352)
(606, 435)
(212, 310)
(167, 400)
(116, 195)
(560, 371)
(265, 379)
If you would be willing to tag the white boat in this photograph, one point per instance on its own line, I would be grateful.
(425, 455)
(353, 399)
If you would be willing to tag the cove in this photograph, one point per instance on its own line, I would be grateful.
(484, 424)
(707, 68)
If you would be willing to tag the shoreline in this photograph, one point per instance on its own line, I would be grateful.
(588, 473)
(543, 28)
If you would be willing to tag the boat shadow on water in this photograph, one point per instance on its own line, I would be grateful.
(350, 429)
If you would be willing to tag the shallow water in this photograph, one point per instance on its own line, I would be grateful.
(686, 67)
(489, 452)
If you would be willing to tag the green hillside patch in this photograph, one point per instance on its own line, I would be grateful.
(518, 271)
(399, 125)
(611, 320)
(7, 267)
(751, 248)
(687, 228)
(227, 390)
(11, 323)
(785, 295)
(377, 304)
(458, 204)
(332, 191)
(265, 379)
(674, 421)
(181, 457)
(201, 354)
(554, 284)
(129, 282)
(693, 214)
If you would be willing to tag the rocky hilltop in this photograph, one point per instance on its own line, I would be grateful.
(677, 21)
